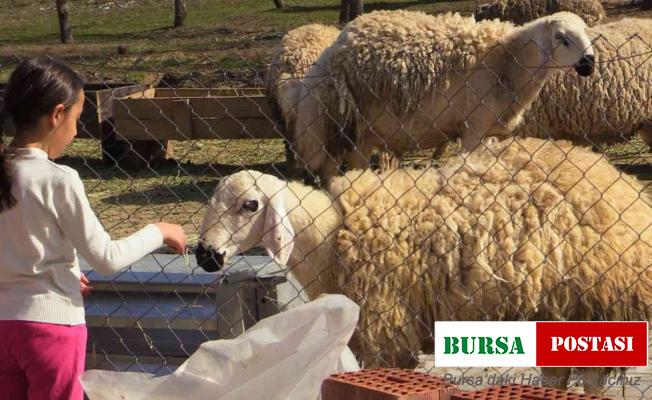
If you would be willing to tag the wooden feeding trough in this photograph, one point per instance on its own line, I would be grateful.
(160, 115)
(185, 114)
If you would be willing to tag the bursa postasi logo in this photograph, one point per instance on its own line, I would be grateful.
(483, 345)
(541, 344)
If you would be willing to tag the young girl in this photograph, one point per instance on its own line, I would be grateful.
(45, 219)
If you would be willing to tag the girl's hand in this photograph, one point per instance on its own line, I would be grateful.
(85, 285)
(173, 236)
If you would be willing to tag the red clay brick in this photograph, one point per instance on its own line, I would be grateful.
(555, 394)
(386, 384)
(523, 392)
(504, 392)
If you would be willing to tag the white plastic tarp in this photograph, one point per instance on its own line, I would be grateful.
(284, 357)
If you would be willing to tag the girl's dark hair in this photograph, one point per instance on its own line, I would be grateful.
(35, 87)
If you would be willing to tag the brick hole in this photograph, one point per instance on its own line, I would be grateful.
(396, 379)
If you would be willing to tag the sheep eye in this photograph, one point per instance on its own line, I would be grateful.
(250, 205)
(563, 39)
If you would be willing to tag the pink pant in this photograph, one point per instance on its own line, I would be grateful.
(41, 361)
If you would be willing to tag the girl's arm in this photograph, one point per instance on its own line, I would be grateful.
(80, 224)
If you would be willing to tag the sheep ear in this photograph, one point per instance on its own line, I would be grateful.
(278, 237)
(544, 40)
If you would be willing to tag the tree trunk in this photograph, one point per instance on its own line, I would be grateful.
(349, 9)
(356, 7)
(180, 11)
(65, 29)
(279, 3)
(344, 11)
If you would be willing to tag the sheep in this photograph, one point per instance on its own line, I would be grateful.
(522, 229)
(401, 80)
(522, 11)
(298, 50)
(611, 105)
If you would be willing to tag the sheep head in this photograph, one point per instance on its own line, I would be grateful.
(563, 40)
(248, 208)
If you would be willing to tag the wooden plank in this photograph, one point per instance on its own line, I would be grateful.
(253, 128)
(182, 117)
(101, 96)
(208, 92)
(208, 107)
(145, 94)
(144, 109)
(230, 107)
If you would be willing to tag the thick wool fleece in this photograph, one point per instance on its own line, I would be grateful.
(524, 229)
(522, 11)
(398, 56)
(298, 51)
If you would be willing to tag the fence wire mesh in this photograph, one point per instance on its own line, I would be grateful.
(386, 204)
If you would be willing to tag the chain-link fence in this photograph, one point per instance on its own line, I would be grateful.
(385, 204)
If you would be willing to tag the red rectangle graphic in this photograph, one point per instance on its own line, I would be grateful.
(592, 344)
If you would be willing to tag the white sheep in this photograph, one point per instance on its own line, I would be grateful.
(611, 105)
(523, 229)
(401, 81)
(296, 53)
(522, 11)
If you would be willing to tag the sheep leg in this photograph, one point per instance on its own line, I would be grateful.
(592, 379)
(473, 135)
(330, 168)
(556, 377)
(400, 349)
(645, 131)
(357, 159)
(387, 161)
(439, 151)
(360, 160)
(385, 337)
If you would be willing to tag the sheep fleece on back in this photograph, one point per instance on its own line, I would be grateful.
(541, 231)
(522, 11)
(398, 56)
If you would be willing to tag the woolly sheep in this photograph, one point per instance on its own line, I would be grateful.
(611, 105)
(298, 50)
(522, 11)
(401, 81)
(523, 229)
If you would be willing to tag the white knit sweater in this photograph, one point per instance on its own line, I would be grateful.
(40, 237)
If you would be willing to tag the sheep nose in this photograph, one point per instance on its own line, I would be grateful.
(208, 258)
(585, 65)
